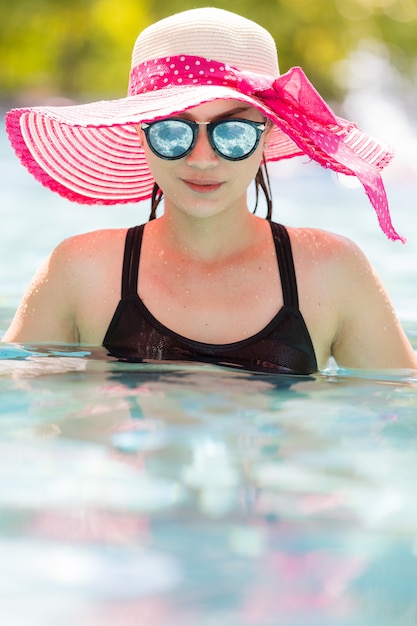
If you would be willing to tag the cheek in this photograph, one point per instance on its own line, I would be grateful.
(154, 163)
(161, 171)
(248, 168)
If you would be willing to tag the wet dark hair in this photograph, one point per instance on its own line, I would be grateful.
(262, 182)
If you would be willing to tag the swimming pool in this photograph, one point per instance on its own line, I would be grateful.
(167, 495)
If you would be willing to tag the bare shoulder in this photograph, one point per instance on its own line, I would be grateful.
(323, 246)
(91, 264)
(334, 258)
(334, 279)
(79, 276)
(75, 292)
(91, 246)
(88, 260)
(346, 306)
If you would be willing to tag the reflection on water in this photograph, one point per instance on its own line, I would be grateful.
(185, 494)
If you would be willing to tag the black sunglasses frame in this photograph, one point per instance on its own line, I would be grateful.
(211, 126)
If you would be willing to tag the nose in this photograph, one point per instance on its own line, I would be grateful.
(202, 156)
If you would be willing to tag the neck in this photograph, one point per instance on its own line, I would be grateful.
(207, 239)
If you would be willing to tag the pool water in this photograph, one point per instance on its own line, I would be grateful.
(182, 494)
(196, 495)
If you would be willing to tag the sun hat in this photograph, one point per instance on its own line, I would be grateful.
(91, 154)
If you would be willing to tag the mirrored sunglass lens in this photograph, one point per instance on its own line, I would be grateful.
(170, 138)
(234, 139)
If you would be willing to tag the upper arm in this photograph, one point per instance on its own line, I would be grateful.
(46, 312)
(369, 335)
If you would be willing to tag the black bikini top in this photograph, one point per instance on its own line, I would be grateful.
(283, 346)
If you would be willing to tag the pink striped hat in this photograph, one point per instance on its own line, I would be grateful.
(91, 153)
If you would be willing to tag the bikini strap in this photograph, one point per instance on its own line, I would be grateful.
(283, 249)
(131, 257)
(286, 264)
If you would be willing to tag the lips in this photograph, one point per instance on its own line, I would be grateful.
(203, 186)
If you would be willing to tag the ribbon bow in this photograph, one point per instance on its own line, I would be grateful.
(295, 106)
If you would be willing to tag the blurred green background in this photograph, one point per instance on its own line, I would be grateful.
(81, 49)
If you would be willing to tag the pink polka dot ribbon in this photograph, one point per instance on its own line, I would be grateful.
(294, 105)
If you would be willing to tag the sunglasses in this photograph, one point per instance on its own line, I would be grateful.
(174, 138)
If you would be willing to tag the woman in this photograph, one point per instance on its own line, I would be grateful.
(207, 280)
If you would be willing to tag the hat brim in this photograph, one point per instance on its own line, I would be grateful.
(91, 154)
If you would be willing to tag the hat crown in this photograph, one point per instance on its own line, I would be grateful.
(211, 33)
